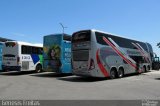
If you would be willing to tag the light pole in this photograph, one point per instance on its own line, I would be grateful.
(63, 27)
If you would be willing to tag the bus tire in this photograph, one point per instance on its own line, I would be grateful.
(144, 69)
(120, 72)
(38, 68)
(148, 68)
(113, 73)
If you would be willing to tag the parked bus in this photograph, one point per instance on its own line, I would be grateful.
(22, 56)
(57, 53)
(99, 54)
(1, 48)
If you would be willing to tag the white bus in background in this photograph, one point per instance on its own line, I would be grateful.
(99, 54)
(22, 56)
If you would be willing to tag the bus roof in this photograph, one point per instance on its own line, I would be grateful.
(116, 35)
(57, 34)
(26, 43)
(65, 37)
(94, 30)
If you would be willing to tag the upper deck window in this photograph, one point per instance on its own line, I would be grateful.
(81, 36)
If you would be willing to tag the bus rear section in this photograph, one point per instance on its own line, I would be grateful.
(81, 50)
(11, 57)
(57, 53)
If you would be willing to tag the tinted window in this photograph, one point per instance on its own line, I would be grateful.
(40, 51)
(143, 45)
(37, 50)
(31, 50)
(26, 49)
(81, 36)
(10, 44)
(150, 47)
(34, 50)
(122, 42)
(99, 37)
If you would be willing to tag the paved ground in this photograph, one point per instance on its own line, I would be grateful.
(49, 86)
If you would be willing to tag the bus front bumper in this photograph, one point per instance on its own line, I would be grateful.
(11, 68)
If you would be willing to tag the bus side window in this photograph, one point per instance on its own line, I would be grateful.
(26, 49)
(40, 50)
(37, 50)
(34, 50)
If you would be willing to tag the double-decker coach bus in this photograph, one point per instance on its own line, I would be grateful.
(57, 53)
(99, 54)
(22, 56)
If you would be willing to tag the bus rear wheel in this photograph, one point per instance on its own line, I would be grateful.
(148, 68)
(120, 72)
(38, 68)
(113, 74)
(144, 69)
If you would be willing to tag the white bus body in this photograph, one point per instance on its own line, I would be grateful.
(22, 56)
(99, 54)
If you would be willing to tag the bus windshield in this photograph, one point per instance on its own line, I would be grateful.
(81, 36)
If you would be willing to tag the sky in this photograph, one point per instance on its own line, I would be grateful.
(30, 20)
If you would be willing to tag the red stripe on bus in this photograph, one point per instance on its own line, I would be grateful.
(120, 54)
(102, 68)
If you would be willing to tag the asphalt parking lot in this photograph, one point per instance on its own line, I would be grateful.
(50, 86)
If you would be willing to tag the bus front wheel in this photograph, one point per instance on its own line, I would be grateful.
(38, 68)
